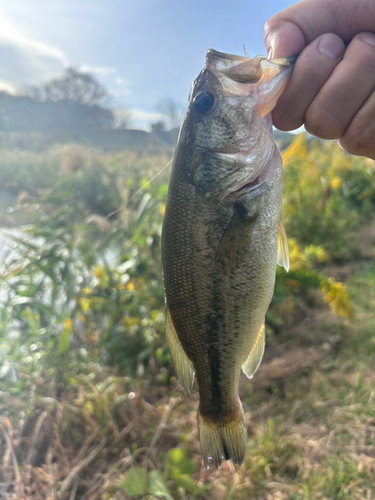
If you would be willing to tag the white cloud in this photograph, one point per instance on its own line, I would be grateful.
(100, 70)
(10, 36)
(25, 60)
(138, 118)
(120, 81)
(7, 87)
(139, 115)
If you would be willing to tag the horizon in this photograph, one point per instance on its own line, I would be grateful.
(133, 49)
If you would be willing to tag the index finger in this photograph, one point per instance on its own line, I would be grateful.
(291, 30)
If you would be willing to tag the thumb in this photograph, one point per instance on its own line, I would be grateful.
(283, 39)
(291, 30)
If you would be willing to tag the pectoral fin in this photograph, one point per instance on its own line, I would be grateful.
(182, 364)
(235, 241)
(282, 247)
(256, 354)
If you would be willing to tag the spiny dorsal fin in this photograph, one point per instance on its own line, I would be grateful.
(282, 247)
(182, 364)
(255, 356)
(235, 241)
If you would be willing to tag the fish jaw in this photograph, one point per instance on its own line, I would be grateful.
(276, 74)
(222, 165)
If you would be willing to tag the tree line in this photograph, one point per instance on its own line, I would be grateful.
(76, 100)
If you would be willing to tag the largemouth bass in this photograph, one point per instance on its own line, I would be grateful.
(222, 237)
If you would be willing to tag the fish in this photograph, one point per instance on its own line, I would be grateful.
(222, 237)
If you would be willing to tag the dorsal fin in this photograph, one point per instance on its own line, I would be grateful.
(255, 356)
(282, 247)
(181, 362)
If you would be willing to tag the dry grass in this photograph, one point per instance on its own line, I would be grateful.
(310, 415)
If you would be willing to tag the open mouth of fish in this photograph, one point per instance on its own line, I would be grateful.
(239, 77)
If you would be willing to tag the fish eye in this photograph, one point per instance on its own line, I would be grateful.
(203, 102)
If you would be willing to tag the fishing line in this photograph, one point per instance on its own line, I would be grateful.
(139, 190)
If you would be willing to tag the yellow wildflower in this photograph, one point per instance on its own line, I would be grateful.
(68, 324)
(130, 286)
(101, 275)
(81, 317)
(335, 294)
(336, 183)
(297, 151)
(85, 304)
(89, 407)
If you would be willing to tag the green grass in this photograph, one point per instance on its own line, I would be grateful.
(314, 438)
(90, 361)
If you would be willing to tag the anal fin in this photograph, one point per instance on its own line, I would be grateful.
(181, 362)
(255, 356)
(282, 247)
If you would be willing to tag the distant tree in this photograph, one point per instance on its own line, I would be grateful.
(123, 118)
(33, 91)
(77, 100)
(73, 85)
(158, 127)
(172, 111)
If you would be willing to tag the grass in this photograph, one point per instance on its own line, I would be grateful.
(313, 435)
(311, 425)
(309, 409)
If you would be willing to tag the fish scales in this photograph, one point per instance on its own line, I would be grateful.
(222, 236)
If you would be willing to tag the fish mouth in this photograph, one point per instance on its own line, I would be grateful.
(239, 69)
(223, 55)
(245, 70)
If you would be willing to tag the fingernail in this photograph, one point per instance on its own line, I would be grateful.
(368, 38)
(270, 42)
(332, 46)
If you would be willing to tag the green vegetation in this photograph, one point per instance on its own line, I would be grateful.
(91, 408)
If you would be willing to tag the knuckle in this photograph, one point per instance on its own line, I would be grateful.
(312, 75)
(322, 123)
(359, 139)
(363, 46)
(284, 120)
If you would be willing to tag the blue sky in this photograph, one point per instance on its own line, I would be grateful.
(142, 50)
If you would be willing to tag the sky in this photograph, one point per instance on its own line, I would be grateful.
(142, 51)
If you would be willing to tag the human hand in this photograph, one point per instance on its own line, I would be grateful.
(331, 90)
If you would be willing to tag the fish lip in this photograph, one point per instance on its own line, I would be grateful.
(224, 55)
(282, 61)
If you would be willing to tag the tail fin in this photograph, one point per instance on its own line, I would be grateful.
(227, 440)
